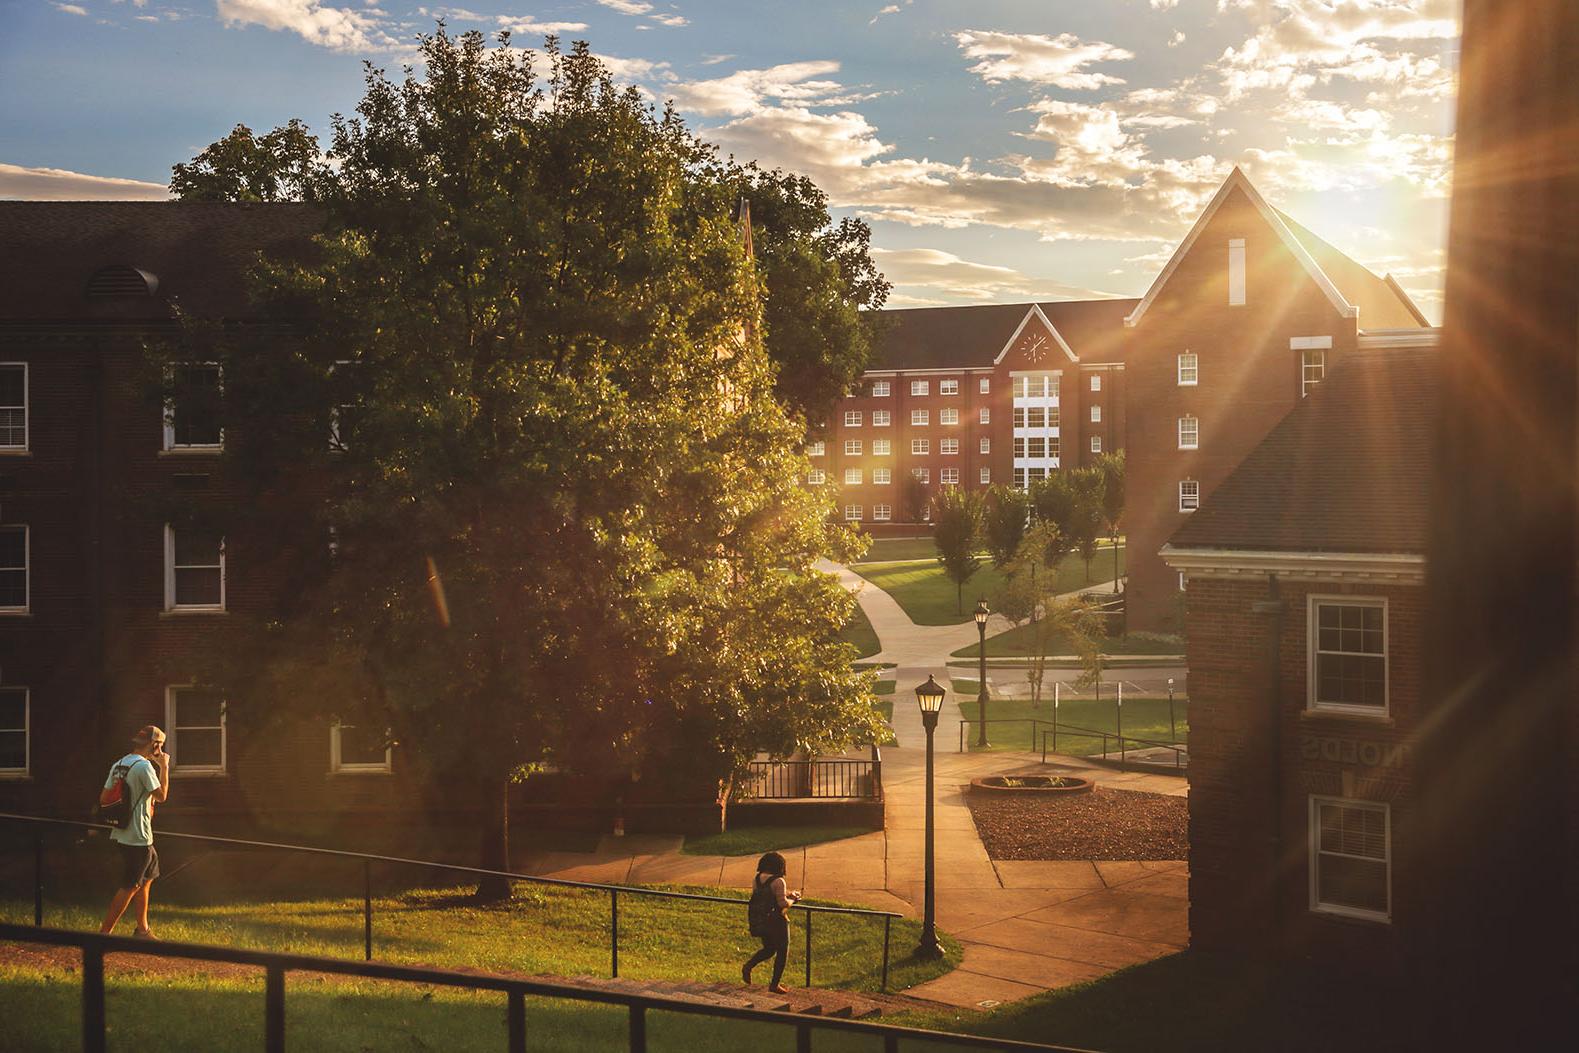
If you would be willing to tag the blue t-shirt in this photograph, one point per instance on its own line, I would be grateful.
(142, 779)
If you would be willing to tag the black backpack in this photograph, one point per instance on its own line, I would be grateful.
(759, 912)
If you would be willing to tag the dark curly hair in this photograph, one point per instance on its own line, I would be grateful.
(772, 863)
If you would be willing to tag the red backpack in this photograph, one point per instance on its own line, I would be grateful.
(115, 805)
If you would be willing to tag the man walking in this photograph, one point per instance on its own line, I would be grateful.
(147, 773)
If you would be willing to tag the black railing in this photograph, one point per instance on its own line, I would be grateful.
(40, 824)
(275, 966)
(775, 780)
(1123, 752)
(1035, 723)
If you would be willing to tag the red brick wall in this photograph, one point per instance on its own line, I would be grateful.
(1248, 381)
(1237, 887)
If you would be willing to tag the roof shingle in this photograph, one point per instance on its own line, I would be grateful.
(971, 337)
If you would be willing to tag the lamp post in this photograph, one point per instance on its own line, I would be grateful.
(930, 697)
(981, 614)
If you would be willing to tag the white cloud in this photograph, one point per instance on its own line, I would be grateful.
(71, 9)
(890, 9)
(635, 69)
(528, 25)
(671, 20)
(627, 7)
(713, 60)
(1163, 5)
(1177, 39)
(750, 90)
(337, 28)
(1059, 61)
(58, 184)
(916, 273)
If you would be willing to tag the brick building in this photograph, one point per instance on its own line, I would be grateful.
(1305, 577)
(1243, 321)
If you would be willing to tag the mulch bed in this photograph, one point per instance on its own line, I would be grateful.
(1102, 824)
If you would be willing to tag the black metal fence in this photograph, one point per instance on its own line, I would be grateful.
(775, 780)
(276, 966)
(1179, 751)
(40, 825)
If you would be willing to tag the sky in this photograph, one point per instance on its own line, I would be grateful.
(1002, 150)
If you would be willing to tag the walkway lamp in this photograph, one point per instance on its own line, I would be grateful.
(930, 697)
(981, 614)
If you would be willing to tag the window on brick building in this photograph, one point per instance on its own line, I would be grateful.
(882, 447)
(1096, 382)
(880, 389)
(353, 748)
(195, 726)
(986, 476)
(817, 449)
(985, 445)
(948, 387)
(1312, 368)
(882, 513)
(852, 447)
(1036, 417)
(1019, 478)
(13, 405)
(984, 385)
(194, 568)
(1351, 858)
(1348, 654)
(852, 477)
(920, 387)
(816, 477)
(1036, 446)
(1096, 444)
(1096, 414)
(15, 731)
(882, 476)
(948, 446)
(1236, 272)
(1189, 369)
(852, 418)
(920, 446)
(923, 474)
(948, 416)
(985, 416)
(191, 417)
(880, 418)
(1189, 495)
(919, 416)
(1189, 433)
(1019, 446)
(852, 513)
(949, 477)
(14, 567)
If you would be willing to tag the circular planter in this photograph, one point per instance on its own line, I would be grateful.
(1033, 784)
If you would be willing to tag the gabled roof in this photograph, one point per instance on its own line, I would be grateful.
(1382, 302)
(199, 251)
(1037, 314)
(973, 337)
(1347, 471)
(1238, 181)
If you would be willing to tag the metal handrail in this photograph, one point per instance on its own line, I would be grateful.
(369, 858)
(1123, 759)
(1035, 722)
(275, 965)
(842, 775)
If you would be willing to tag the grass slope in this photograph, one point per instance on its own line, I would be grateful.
(929, 598)
(860, 633)
(1144, 718)
(754, 840)
(1016, 643)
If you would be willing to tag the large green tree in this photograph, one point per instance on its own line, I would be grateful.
(1111, 467)
(276, 166)
(1004, 522)
(956, 532)
(565, 520)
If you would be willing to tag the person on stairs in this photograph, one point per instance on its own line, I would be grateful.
(768, 917)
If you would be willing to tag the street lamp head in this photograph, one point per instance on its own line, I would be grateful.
(930, 696)
(981, 612)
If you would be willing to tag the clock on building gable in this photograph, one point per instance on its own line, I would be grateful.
(1035, 346)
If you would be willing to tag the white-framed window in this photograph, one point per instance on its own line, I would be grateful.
(1182, 581)
(360, 750)
(880, 389)
(882, 447)
(1236, 272)
(985, 446)
(191, 417)
(1096, 444)
(1096, 382)
(984, 385)
(817, 449)
(852, 513)
(195, 726)
(194, 568)
(1019, 417)
(1189, 433)
(13, 405)
(1036, 446)
(1019, 446)
(948, 387)
(920, 387)
(16, 745)
(880, 418)
(1019, 478)
(1348, 654)
(1189, 495)
(986, 476)
(1351, 850)
(948, 446)
(1096, 414)
(984, 416)
(882, 513)
(852, 447)
(919, 416)
(923, 474)
(949, 477)
(1312, 369)
(1036, 417)
(15, 564)
(852, 418)
(948, 416)
(852, 477)
(882, 476)
(1036, 385)
(816, 477)
(920, 446)
(1189, 369)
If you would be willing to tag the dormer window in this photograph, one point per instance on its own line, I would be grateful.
(121, 281)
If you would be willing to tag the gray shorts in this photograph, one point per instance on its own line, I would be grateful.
(139, 864)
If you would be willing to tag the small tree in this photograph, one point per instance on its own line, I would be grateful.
(956, 530)
(913, 497)
(1083, 525)
(1111, 465)
(1030, 594)
(1006, 516)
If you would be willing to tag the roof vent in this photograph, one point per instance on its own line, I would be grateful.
(120, 280)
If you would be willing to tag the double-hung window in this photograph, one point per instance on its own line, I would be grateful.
(852, 477)
(919, 417)
(920, 446)
(882, 513)
(1351, 858)
(922, 474)
(920, 387)
(949, 477)
(948, 416)
(15, 720)
(1096, 382)
(13, 405)
(882, 476)
(1096, 444)
(1189, 495)
(192, 417)
(1312, 368)
(817, 449)
(195, 724)
(1096, 414)
(948, 387)
(852, 447)
(882, 447)
(194, 560)
(356, 748)
(948, 446)
(985, 416)
(880, 389)
(852, 418)
(984, 385)
(1189, 369)
(816, 477)
(852, 513)
(880, 418)
(14, 560)
(1348, 654)
(986, 445)
(986, 476)
(1189, 433)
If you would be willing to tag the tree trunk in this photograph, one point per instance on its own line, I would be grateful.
(1115, 564)
(495, 840)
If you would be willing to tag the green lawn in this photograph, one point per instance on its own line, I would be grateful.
(860, 633)
(754, 840)
(884, 687)
(1144, 718)
(928, 597)
(1017, 642)
(899, 549)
